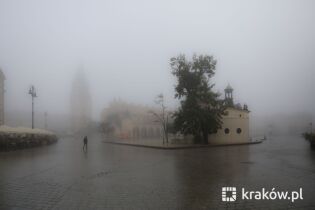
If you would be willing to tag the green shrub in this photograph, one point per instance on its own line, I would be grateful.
(311, 138)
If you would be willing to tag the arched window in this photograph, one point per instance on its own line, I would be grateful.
(238, 130)
(226, 131)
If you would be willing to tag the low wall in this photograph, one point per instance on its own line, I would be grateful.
(13, 141)
(182, 141)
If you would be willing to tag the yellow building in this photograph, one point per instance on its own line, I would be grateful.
(235, 128)
(235, 124)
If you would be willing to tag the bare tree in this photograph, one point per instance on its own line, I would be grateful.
(162, 117)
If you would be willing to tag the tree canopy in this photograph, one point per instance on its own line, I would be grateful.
(200, 110)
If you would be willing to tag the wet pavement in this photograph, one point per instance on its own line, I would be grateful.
(158, 143)
(108, 176)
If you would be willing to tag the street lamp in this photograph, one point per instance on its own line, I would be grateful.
(32, 92)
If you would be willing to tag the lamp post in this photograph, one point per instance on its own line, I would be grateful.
(32, 92)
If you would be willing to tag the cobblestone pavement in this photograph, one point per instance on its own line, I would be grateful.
(109, 176)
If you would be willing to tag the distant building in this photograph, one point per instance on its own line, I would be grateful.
(2, 90)
(290, 123)
(235, 124)
(80, 103)
(129, 121)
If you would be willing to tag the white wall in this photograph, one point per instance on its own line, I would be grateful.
(234, 120)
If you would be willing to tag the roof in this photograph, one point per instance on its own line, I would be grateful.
(241, 110)
(228, 87)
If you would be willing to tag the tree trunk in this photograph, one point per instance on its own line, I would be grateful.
(197, 138)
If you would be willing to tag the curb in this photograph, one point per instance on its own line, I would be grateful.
(181, 147)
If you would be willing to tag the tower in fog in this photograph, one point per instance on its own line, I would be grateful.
(80, 102)
(229, 96)
(2, 78)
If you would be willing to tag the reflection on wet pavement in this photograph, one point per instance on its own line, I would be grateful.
(62, 176)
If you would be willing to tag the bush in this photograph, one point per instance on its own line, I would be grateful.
(311, 138)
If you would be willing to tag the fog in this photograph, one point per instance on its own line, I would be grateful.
(265, 50)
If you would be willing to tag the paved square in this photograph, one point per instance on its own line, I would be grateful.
(109, 176)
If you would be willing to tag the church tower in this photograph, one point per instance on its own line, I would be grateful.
(229, 96)
(2, 78)
(80, 102)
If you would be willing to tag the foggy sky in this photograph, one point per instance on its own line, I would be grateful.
(265, 50)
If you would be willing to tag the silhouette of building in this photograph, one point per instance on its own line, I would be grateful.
(129, 121)
(80, 102)
(2, 78)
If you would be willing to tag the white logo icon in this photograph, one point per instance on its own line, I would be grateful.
(229, 194)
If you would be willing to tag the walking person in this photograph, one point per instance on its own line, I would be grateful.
(85, 142)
